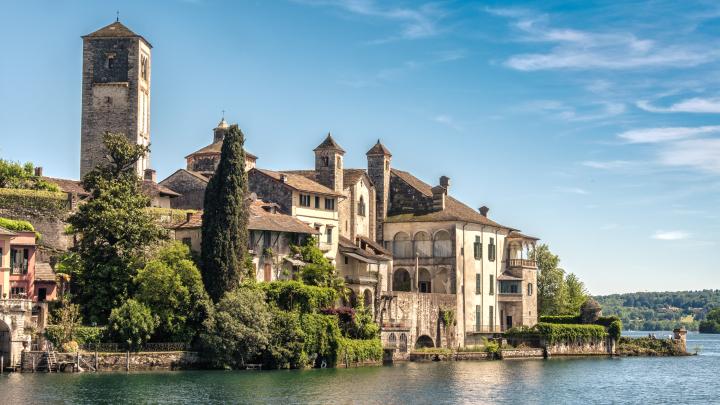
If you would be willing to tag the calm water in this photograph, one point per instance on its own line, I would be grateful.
(574, 380)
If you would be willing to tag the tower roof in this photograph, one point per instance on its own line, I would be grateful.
(379, 149)
(223, 124)
(329, 144)
(115, 30)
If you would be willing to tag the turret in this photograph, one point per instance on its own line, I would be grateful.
(378, 158)
(329, 164)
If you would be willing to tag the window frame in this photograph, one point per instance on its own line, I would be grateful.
(305, 200)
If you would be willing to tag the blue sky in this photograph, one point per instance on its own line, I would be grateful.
(594, 126)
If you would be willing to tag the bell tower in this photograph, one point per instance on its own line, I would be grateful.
(329, 164)
(115, 92)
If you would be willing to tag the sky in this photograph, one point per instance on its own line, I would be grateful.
(592, 125)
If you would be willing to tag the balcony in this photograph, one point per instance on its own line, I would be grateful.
(395, 325)
(486, 329)
(522, 263)
(19, 269)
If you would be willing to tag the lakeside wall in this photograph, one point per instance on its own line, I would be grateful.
(140, 361)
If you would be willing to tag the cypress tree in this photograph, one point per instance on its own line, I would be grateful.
(225, 219)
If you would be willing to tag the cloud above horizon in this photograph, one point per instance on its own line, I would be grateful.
(691, 105)
(670, 235)
(666, 134)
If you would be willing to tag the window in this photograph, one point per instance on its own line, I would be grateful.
(317, 202)
(329, 239)
(266, 239)
(17, 290)
(510, 287)
(1, 259)
(491, 318)
(530, 289)
(330, 204)
(478, 283)
(491, 287)
(19, 260)
(478, 248)
(324, 161)
(346, 260)
(361, 207)
(187, 242)
(110, 61)
(144, 67)
(491, 250)
(478, 318)
(304, 200)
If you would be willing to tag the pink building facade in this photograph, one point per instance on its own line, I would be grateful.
(20, 275)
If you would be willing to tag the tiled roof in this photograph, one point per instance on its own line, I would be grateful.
(115, 30)
(261, 219)
(454, 209)
(299, 182)
(153, 189)
(6, 232)
(345, 245)
(379, 149)
(350, 176)
(43, 272)
(508, 277)
(68, 185)
(197, 175)
(214, 149)
(329, 143)
(518, 235)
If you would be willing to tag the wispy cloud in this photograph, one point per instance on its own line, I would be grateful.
(670, 235)
(666, 134)
(573, 190)
(415, 22)
(691, 105)
(563, 111)
(702, 154)
(448, 121)
(607, 165)
(579, 49)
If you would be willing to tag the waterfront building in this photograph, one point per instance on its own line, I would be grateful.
(270, 237)
(21, 275)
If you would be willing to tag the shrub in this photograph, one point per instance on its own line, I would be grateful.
(359, 350)
(287, 338)
(606, 321)
(47, 202)
(561, 319)
(322, 336)
(18, 225)
(132, 323)
(554, 333)
(294, 295)
(615, 329)
(70, 347)
(79, 334)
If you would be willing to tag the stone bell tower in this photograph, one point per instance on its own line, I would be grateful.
(115, 92)
(329, 164)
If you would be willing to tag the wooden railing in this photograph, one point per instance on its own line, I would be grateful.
(523, 263)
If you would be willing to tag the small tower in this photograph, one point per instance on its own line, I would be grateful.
(329, 164)
(378, 158)
(115, 93)
(220, 131)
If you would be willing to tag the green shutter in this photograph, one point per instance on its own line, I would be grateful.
(478, 283)
(492, 285)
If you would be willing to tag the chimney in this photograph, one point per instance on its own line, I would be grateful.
(438, 197)
(445, 182)
(150, 175)
(283, 177)
(189, 216)
(38, 171)
(484, 210)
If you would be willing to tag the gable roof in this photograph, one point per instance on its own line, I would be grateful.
(6, 232)
(379, 149)
(518, 235)
(152, 189)
(299, 182)
(260, 219)
(68, 185)
(215, 148)
(454, 209)
(196, 175)
(115, 30)
(350, 176)
(44, 272)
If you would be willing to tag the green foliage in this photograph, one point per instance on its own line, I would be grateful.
(171, 286)
(35, 201)
(18, 225)
(67, 321)
(576, 293)
(225, 219)
(169, 215)
(115, 233)
(239, 331)
(80, 334)
(661, 310)
(615, 329)
(132, 323)
(319, 270)
(16, 175)
(294, 295)
(322, 338)
(363, 325)
(285, 348)
(490, 346)
(646, 346)
(554, 332)
(557, 293)
(565, 319)
(359, 350)
(711, 324)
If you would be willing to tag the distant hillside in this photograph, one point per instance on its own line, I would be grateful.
(660, 310)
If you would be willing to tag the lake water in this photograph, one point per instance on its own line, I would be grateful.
(645, 380)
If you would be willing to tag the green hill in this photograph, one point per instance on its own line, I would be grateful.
(660, 310)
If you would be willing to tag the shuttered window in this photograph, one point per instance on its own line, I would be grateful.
(478, 248)
(478, 283)
(491, 287)
(491, 250)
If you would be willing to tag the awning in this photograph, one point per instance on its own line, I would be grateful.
(294, 262)
(358, 257)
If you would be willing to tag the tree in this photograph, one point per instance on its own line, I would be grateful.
(15, 175)
(171, 286)
(576, 293)
(225, 219)
(319, 270)
(239, 330)
(552, 291)
(115, 233)
(285, 348)
(711, 324)
(132, 323)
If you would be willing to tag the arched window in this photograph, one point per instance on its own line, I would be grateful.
(423, 244)
(403, 342)
(392, 340)
(442, 245)
(424, 341)
(368, 299)
(424, 281)
(361, 207)
(402, 246)
(401, 280)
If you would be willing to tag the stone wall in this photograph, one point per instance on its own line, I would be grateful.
(522, 353)
(406, 199)
(416, 315)
(141, 361)
(190, 187)
(270, 190)
(603, 347)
